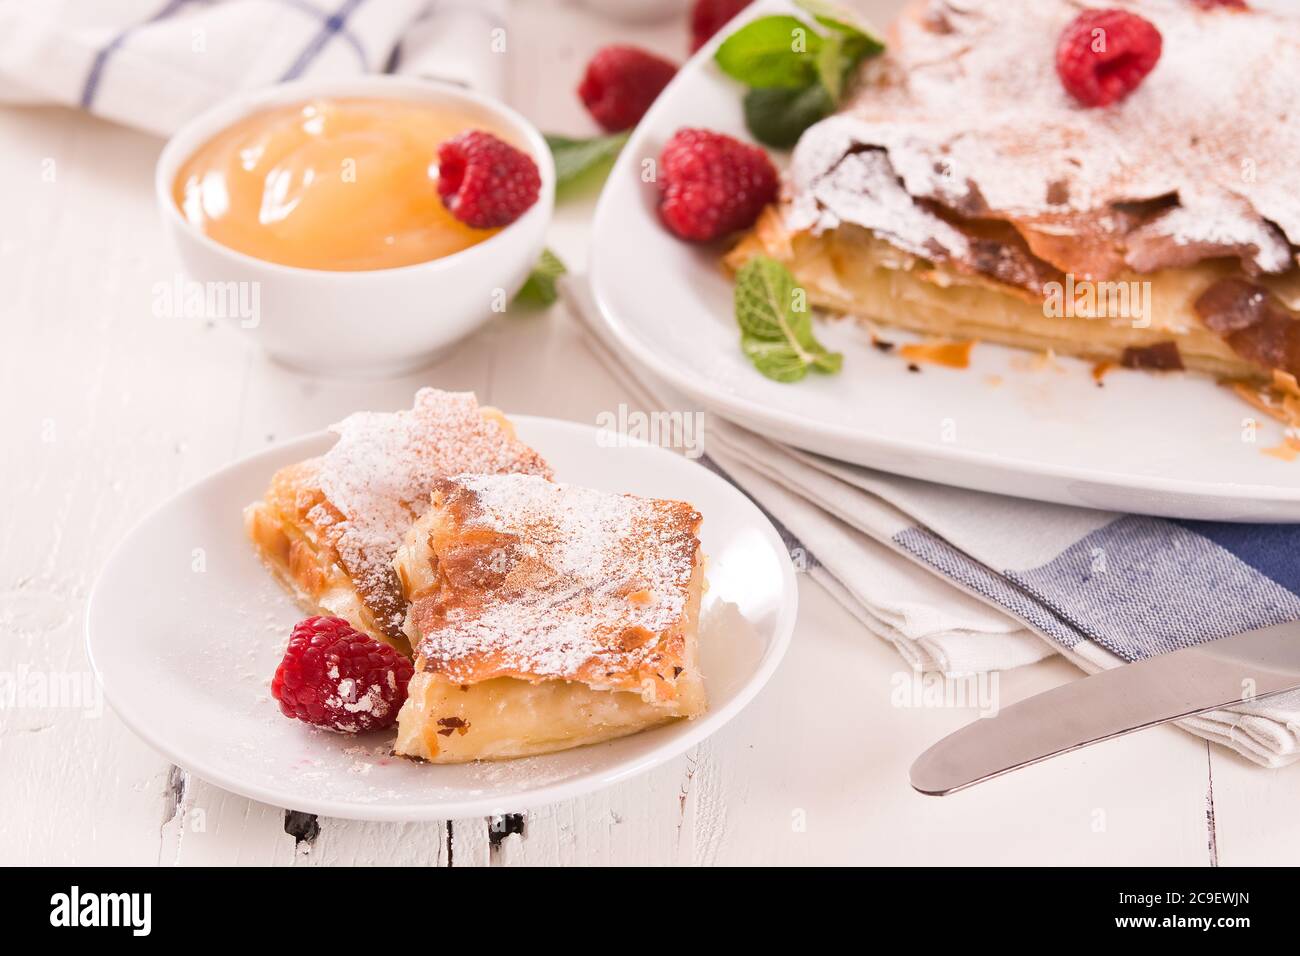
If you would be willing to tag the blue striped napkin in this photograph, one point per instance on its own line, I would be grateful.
(153, 64)
(909, 558)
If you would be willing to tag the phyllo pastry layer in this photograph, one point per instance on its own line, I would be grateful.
(328, 527)
(545, 616)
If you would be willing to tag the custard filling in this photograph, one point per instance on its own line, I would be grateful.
(333, 184)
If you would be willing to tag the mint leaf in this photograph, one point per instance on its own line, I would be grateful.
(782, 363)
(576, 157)
(859, 47)
(827, 362)
(832, 65)
(796, 74)
(771, 51)
(775, 324)
(848, 44)
(856, 33)
(539, 289)
(777, 117)
(764, 298)
(777, 360)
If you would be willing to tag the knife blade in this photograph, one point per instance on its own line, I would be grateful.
(1231, 670)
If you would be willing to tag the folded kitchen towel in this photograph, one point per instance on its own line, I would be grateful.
(962, 581)
(153, 64)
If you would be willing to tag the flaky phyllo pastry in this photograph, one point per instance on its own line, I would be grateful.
(545, 616)
(963, 192)
(328, 527)
(542, 616)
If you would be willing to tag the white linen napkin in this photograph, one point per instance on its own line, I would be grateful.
(933, 570)
(153, 64)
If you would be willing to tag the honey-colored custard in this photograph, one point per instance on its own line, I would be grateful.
(338, 184)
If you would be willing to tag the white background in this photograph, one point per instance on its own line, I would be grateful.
(107, 410)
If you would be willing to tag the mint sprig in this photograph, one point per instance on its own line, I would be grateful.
(840, 19)
(831, 66)
(575, 158)
(850, 42)
(777, 117)
(771, 51)
(539, 288)
(783, 60)
(775, 324)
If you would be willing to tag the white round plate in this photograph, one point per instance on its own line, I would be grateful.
(1176, 445)
(185, 628)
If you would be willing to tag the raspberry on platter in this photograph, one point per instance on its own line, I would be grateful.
(711, 185)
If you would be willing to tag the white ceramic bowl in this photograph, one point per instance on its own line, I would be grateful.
(367, 323)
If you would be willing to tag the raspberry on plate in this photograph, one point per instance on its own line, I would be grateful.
(710, 16)
(1103, 55)
(711, 185)
(335, 677)
(485, 182)
(620, 84)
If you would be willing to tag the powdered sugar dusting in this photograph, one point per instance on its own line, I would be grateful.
(371, 702)
(586, 583)
(970, 111)
(863, 189)
(380, 473)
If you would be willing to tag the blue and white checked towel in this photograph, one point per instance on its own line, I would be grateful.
(153, 64)
(964, 581)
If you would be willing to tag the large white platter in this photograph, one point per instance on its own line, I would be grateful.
(1174, 444)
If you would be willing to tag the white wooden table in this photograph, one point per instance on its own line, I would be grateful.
(107, 410)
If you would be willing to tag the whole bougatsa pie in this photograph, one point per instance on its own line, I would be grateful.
(964, 193)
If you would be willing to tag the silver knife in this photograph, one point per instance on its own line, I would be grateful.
(1112, 703)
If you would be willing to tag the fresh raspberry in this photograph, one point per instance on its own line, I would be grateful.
(335, 677)
(1104, 54)
(710, 16)
(711, 185)
(485, 182)
(620, 84)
